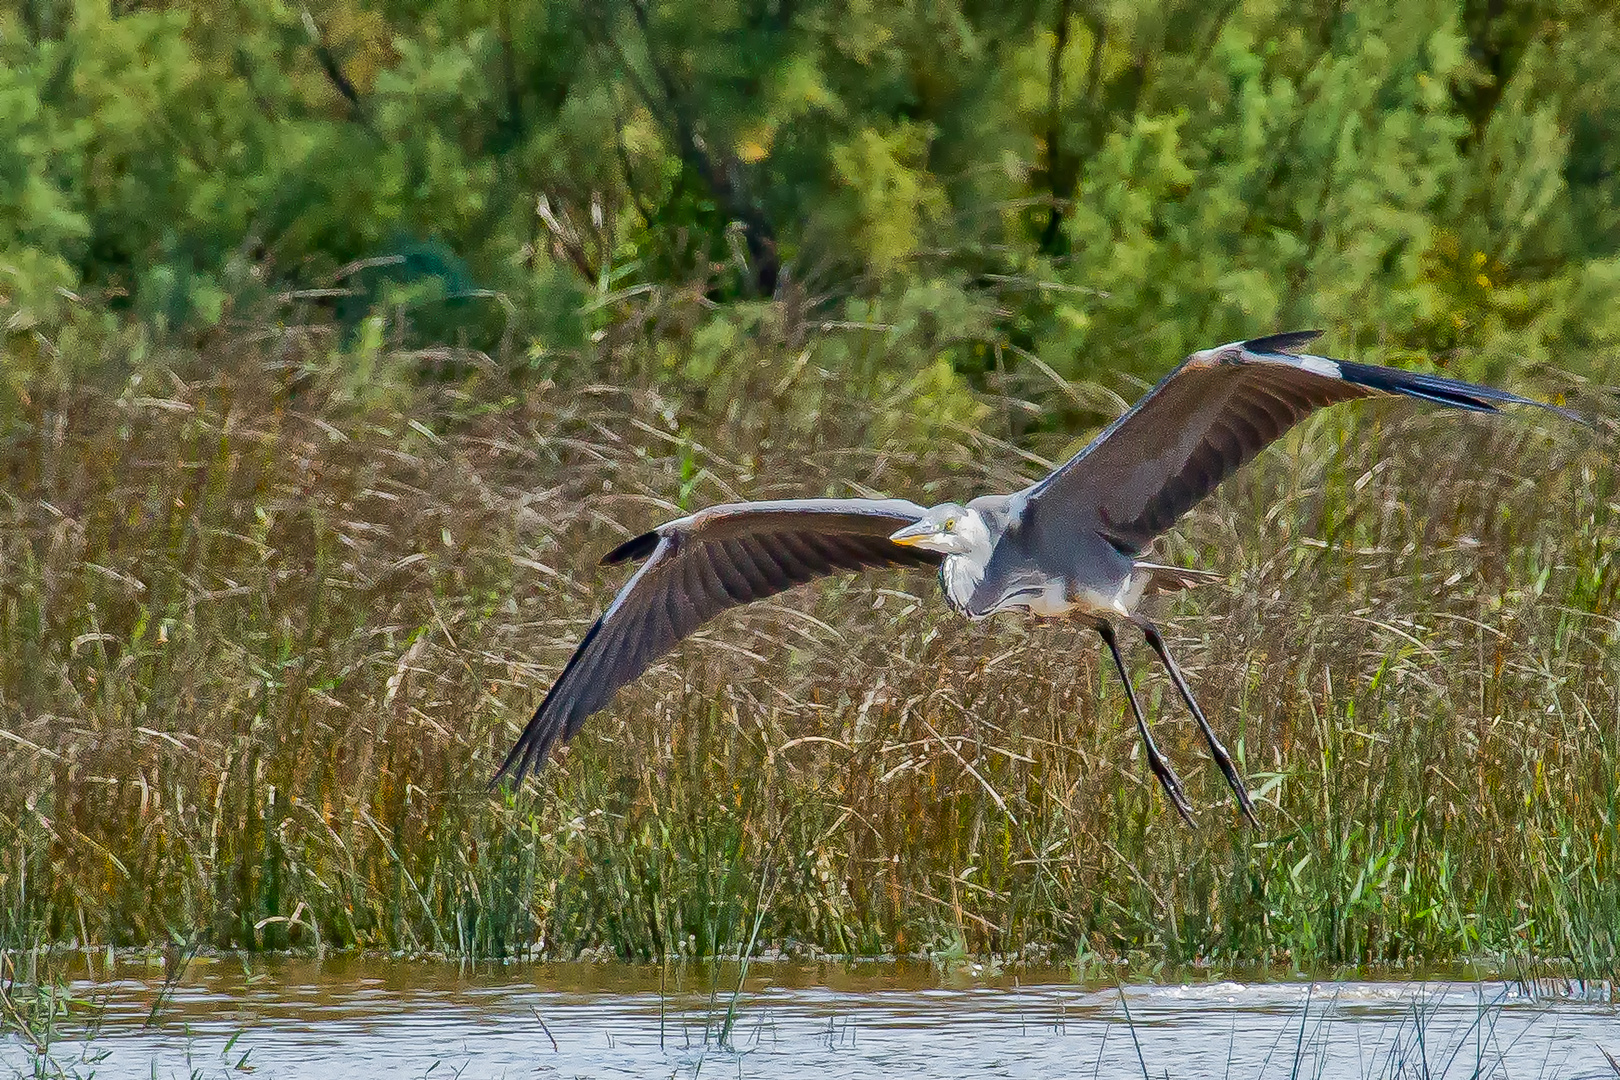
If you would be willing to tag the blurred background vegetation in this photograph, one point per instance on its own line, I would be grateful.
(1105, 185)
(337, 338)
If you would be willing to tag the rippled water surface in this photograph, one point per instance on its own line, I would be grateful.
(370, 1018)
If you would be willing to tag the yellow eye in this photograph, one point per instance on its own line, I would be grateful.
(950, 523)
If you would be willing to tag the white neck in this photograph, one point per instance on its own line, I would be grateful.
(963, 569)
(974, 532)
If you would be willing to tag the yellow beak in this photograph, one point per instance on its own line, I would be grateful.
(912, 534)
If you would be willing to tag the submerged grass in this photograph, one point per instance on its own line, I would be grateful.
(267, 633)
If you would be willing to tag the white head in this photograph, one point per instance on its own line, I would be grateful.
(950, 529)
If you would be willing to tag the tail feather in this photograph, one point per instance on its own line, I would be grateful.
(1175, 578)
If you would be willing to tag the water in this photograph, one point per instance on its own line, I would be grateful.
(357, 1017)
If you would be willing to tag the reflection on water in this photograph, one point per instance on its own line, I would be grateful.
(369, 1017)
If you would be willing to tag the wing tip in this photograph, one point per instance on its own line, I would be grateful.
(533, 746)
(527, 756)
(1442, 390)
(553, 721)
(507, 772)
(530, 752)
(1437, 389)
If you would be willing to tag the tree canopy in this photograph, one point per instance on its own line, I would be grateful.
(1099, 184)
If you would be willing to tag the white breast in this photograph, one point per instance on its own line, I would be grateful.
(1055, 598)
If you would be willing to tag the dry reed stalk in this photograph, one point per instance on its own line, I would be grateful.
(264, 643)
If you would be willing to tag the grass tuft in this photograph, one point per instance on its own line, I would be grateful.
(266, 637)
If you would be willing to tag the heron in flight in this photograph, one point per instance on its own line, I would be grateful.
(1069, 545)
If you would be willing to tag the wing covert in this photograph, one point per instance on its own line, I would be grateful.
(1214, 412)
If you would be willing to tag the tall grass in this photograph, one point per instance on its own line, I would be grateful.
(268, 628)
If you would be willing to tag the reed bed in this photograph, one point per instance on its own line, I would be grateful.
(269, 626)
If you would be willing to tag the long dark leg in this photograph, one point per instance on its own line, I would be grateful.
(1161, 768)
(1233, 778)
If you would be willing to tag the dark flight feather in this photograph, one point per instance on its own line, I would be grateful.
(1208, 417)
(695, 568)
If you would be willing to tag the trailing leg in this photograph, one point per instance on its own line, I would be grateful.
(1161, 768)
(1229, 768)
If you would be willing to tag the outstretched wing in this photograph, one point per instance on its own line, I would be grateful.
(697, 567)
(1214, 412)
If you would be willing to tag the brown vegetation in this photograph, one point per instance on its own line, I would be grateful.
(269, 626)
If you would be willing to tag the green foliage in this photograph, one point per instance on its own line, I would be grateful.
(1114, 184)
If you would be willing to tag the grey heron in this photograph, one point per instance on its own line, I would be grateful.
(1069, 545)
